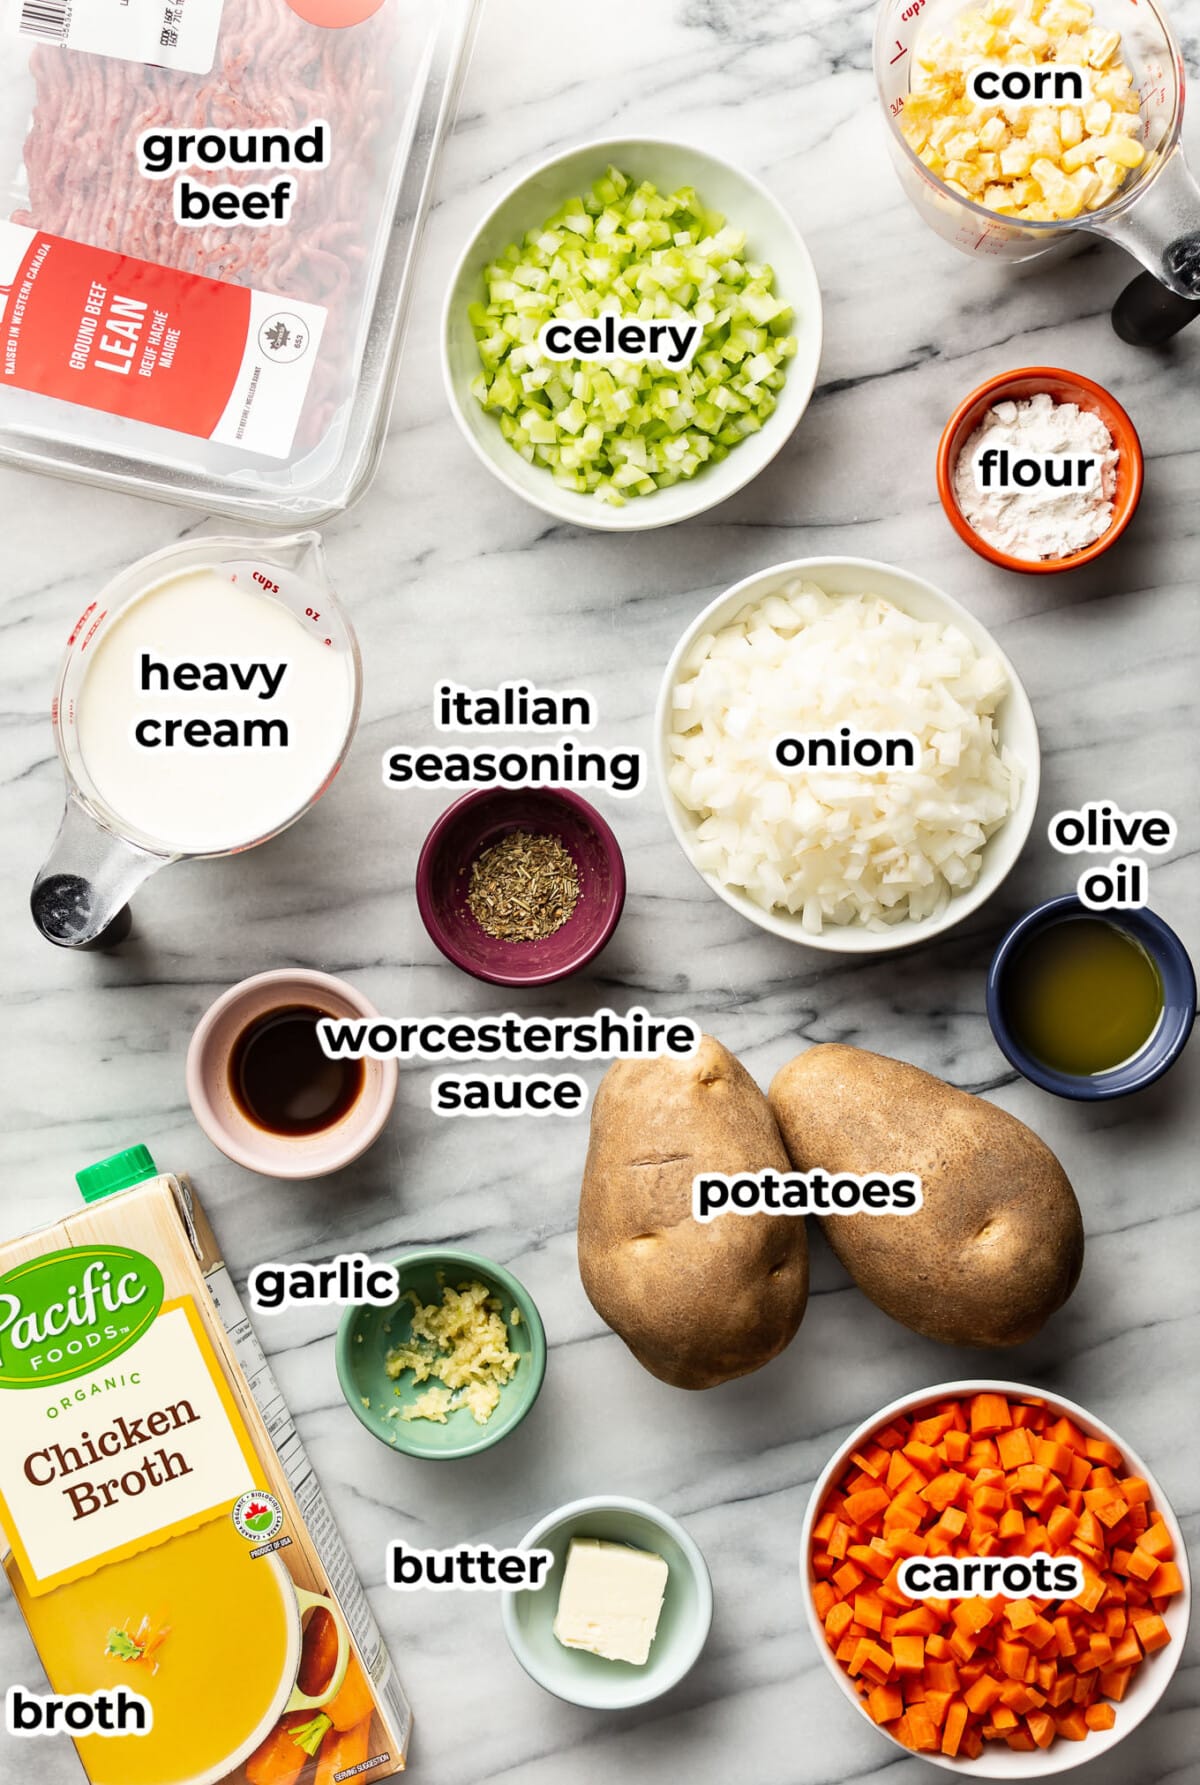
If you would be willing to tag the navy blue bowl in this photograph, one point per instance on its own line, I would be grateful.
(1165, 1045)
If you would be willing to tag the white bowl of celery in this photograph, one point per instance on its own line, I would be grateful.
(651, 230)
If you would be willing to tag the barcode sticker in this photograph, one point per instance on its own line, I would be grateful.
(178, 34)
(46, 18)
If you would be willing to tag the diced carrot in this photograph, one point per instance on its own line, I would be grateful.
(989, 1413)
(868, 1610)
(823, 1527)
(1020, 1698)
(1156, 1541)
(983, 1694)
(955, 1445)
(824, 1599)
(945, 1490)
(1064, 1431)
(933, 1429)
(1165, 1580)
(1101, 1451)
(922, 1620)
(986, 1476)
(923, 1731)
(1079, 1472)
(1051, 1455)
(1152, 1633)
(955, 1724)
(885, 1703)
(1015, 1448)
(848, 1577)
(899, 1470)
(1041, 1727)
(1111, 1507)
(972, 1615)
(863, 1506)
(923, 1457)
(1060, 1527)
(1013, 1658)
(942, 1675)
(873, 1561)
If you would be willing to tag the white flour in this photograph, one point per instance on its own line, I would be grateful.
(1043, 522)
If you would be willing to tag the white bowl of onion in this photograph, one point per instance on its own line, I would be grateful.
(850, 861)
(771, 238)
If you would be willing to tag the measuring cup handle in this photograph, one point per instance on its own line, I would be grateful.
(80, 897)
(305, 1701)
(1146, 314)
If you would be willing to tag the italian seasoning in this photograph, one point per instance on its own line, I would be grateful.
(523, 888)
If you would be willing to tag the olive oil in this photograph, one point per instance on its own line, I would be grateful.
(1083, 996)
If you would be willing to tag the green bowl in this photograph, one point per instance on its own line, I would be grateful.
(366, 1334)
(576, 1675)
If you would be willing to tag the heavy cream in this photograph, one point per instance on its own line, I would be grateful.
(210, 713)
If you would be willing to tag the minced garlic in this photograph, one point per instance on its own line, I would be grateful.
(463, 1344)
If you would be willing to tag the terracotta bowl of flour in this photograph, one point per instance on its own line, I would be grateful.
(1064, 387)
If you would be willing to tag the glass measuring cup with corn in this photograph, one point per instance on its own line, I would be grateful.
(1075, 125)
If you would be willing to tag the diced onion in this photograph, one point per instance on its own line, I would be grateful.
(856, 846)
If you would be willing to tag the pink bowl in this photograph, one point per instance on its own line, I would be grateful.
(471, 825)
(210, 1094)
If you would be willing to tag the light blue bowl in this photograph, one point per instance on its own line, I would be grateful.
(585, 1679)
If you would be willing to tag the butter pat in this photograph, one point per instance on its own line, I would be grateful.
(611, 1600)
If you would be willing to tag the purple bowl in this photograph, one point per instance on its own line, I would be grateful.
(471, 825)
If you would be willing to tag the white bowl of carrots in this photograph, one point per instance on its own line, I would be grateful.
(1002, 1688)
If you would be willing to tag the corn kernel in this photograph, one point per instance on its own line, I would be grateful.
(1080, 154)
(1102, 47)
(1070, 127)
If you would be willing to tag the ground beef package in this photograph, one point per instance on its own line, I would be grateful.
(207, 244)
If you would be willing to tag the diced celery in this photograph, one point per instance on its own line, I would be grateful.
(626, 428)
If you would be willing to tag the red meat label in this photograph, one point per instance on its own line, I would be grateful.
(175, 350)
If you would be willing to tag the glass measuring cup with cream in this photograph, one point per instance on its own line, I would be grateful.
(207, 698)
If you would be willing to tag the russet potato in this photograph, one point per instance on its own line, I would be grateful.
(998, 1243)
(696, 1303)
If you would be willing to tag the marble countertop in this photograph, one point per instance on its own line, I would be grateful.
(449, 575)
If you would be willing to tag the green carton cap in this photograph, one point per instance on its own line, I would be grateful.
(107, 1176)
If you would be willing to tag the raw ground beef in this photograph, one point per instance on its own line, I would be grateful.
(271, 69)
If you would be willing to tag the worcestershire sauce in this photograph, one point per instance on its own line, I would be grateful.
(281, 1080)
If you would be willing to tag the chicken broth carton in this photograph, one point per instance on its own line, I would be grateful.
(164, 1530)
